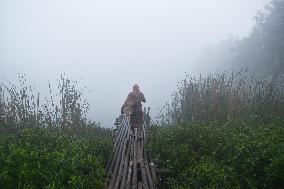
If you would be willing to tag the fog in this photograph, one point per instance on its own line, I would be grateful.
(109, 45)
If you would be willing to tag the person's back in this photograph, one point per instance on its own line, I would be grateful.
(134, 100)
(137, 96)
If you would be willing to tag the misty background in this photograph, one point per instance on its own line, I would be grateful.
(110, 45)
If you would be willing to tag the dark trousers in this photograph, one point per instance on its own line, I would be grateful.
(137, 117)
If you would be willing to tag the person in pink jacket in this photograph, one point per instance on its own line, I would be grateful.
(134, 100)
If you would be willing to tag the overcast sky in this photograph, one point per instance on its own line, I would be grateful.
(114, 44)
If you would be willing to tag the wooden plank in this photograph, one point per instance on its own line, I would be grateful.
(129, 176)
(117, 142)
(140, 185)
(142, 165)
(126, 164)
(152, 169)
(147, 168)
(122, 162)
(115, 152)
(148, 173)
(130, 158)
(134, 178)
(117, 164)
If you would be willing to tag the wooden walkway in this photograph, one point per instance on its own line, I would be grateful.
(130, 166)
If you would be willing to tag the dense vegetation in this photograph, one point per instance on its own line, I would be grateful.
(232, 155)
(226, 96)
(227, 130)
(222, 131)
(50, 143)
(45, 158)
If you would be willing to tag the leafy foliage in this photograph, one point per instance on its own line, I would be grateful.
(49, 142)
(233, 155)
(222, 131)
(49, 158)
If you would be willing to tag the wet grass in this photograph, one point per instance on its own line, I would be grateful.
(225, 96)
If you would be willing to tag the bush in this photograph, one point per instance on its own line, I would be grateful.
(49, 142)
(49, 158)
(233, 155)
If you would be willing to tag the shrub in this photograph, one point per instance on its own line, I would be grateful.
(49, 158)
(233, 155)
(48, 142)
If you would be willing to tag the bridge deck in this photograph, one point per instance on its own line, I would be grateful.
(130, 167)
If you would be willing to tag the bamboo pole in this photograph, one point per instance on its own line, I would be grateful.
(129, 166)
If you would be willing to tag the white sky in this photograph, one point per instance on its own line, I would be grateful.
(114, 44)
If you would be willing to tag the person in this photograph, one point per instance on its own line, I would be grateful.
(134, 100)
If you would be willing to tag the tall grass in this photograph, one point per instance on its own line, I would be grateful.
(63, 108)
(226, 96)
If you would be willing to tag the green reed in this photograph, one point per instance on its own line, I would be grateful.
(225, 96)
(21, 106)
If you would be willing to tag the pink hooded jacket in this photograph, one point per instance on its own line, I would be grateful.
(134, 98)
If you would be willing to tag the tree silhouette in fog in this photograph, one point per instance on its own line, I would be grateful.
(264, 47)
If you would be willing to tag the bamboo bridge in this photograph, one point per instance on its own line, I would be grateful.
(130, 166)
